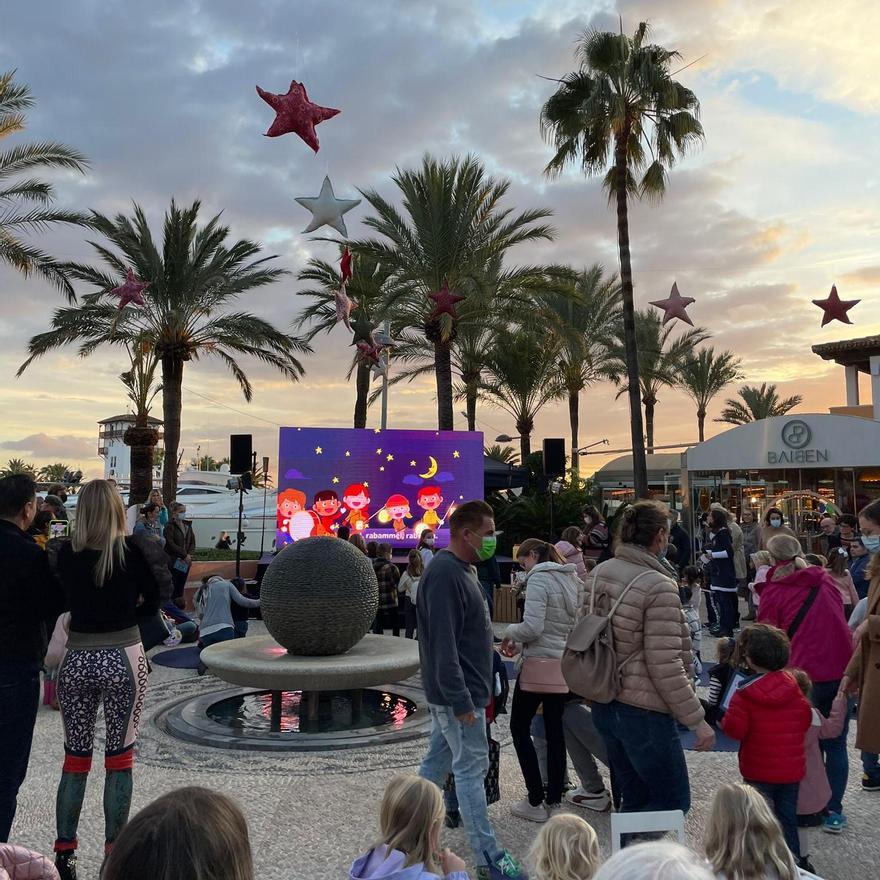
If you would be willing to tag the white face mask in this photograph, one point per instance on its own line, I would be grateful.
(429, 542)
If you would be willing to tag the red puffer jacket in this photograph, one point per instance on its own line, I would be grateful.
(770, 716)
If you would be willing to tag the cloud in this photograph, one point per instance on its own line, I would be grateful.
(64, 447)
(868, 276)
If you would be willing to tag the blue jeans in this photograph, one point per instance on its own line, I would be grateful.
(214, 638)
(782, 798)
(19, 699)
(463, 750)
(833, 750)
(646, 757)
(871, 763)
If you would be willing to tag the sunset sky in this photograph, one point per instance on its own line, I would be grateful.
(782, 201)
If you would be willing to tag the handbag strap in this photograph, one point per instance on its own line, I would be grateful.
(802, 613)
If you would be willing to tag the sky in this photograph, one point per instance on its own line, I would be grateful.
(782, 201)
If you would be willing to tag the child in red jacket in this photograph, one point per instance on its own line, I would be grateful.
(770, 716)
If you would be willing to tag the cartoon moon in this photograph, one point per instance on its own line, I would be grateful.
(431, 470)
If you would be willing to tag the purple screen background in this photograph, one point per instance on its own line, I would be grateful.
(348, 456)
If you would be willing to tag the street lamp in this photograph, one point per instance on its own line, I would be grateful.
(506, 438)
(583, 449)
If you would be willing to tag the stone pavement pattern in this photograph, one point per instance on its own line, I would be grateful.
(311, 813)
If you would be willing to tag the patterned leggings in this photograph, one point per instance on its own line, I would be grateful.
(88, 676)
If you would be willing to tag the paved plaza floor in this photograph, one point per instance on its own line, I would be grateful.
(311, 813)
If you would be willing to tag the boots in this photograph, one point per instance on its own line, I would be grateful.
(65, 864)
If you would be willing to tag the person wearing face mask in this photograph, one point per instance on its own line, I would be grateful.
(859, 558)
(774, 524)
(863, 672)
(597, 538)
(455, 650)
(179, 545)
(552, 591)
(426, 547)
(655, 658)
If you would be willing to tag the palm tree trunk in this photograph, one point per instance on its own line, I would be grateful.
(443, 373)
(172, 384)
(574, 421)
(650, 403)
(640, 468)
(363, 393)
(525, 447)
(471, 406)
(701, 424)
(141, 439)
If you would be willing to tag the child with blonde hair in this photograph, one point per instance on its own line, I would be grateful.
(410, 819)
(408, 588)
(743, 839)
(762, 562)
(566, 848)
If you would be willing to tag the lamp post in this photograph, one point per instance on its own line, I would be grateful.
(583, 449)
(265, 488)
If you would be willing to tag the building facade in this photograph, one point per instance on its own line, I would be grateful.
(112, 448)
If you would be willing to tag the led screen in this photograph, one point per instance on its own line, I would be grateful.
(387, 485)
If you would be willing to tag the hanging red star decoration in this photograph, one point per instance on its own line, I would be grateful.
(345, 265)
(369, 352)
(294, 112)
(444, 302)
(835, 308)
(131, 291)
(675, 306)
(344, 306)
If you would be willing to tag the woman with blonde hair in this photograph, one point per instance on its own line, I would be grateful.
(743, 839)
(108, 584)
(566, 848)
(803, 601)
(357, 540)
(551, 601)
(187, 834)
(410, 820)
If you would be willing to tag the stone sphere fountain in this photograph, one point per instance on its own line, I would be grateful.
(317, 672)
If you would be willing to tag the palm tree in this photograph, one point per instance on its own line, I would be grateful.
(56, 472)
(620, 101)
(16, 466)
(451, 225)
(584, 321)
(141, 437)
(660, 361)
(756, 404)
(522, 376)
(193, 280)
(366, 286)
(704, 375)
(25, 204)
(505, 454)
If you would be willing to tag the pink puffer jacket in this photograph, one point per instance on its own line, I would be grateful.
(18, 863)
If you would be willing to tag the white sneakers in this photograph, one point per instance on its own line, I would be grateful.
(524, 810)
(589, 800)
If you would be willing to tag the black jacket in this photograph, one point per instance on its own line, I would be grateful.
(680, 539)
(179, 539)
(31, 598)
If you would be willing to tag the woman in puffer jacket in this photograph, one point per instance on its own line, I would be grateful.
(552, 590)
(653, 647)
(571, 550)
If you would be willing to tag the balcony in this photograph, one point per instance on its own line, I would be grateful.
(102, 451)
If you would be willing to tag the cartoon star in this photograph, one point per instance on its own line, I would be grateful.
(335, 480)
(389, 457)
(318, 450)
(347, 454)
(412, 463)
(379, 451)
(456, 454)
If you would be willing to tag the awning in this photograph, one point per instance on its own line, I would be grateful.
(499, 475)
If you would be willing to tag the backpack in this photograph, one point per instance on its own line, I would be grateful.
(589, 661)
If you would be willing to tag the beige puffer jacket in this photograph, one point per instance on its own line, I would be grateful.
(649, 627)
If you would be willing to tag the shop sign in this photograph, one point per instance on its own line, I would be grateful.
(797, 436)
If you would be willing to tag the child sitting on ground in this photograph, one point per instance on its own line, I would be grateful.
(410, 820)
(742, 838)
(566, 848)
(815, 792)
(689, 592)
(770, 716)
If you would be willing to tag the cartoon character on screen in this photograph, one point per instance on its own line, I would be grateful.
(326, 510)
(429, 499)
(293, 520)
(357, 500)
(397, 508)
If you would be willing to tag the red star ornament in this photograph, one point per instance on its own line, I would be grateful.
(369, 352)
(675, 306)
(345, 265)
(131, 291)
(835, 308)
(294, 112)
(444, 302)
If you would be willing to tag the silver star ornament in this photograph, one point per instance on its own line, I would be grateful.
(326, 209)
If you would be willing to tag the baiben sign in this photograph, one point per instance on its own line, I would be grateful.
(796, 435)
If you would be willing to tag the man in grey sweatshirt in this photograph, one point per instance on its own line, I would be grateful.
(455, 647)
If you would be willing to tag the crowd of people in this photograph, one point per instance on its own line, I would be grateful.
(783, 687)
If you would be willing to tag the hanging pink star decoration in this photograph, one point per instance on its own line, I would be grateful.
(344, 306)
(835, 308)
(345, 265)
(444, 302)
(675, 306)
(294, 112)
(131, 291)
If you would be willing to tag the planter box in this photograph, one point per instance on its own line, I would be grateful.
(505, 606)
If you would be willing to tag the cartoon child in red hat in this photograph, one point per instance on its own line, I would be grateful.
(398, 510)
(357, 499)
